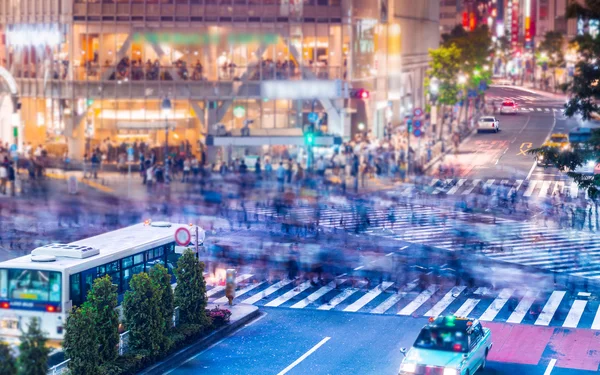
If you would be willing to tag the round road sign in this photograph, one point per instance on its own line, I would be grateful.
(418, 112)
(182, 236)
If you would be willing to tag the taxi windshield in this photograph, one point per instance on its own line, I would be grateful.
(442, 338)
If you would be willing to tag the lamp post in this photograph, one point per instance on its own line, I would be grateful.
(434, 90)
(166, 111)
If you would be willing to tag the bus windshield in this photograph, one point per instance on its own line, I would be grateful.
(30, 285)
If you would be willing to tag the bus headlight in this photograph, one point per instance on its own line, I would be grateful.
(411, 368)
(450, 371)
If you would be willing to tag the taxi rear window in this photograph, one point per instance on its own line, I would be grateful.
(446, 339)
(559, 138)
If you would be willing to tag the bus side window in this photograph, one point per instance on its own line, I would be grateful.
(75, 289)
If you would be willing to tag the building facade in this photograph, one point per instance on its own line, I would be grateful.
(85, 71)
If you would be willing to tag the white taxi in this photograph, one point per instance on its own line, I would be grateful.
(509, 106)
(488, 123)
(448, 346)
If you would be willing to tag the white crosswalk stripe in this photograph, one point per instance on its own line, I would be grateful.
(575, 314)
(483, 303)
(550, 308)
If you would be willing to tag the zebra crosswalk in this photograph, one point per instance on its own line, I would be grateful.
(559, 308)
(530, 188)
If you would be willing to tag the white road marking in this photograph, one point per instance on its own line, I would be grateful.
(523, 307)
(575, 313)
(439, 307)
(240, 292)
(267, 292)
(221, 288)
(289, 295)
(420, 300)
(574, 190)
(338, 299)
(469, 190)
(530, 188)
(531, 170)
(551, 306)
(368, 297)
(316, 295)
(392, 300)
(359, 268)
(467, 307)
(456, 187)
(596, 323)
(550, 366)
(544, 189)
(497, 305)
(304, 356)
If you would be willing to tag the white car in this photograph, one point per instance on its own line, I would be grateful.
(488, 123)
(508, 107)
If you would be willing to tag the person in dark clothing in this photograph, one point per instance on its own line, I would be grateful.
(243, 167)
(257, 168)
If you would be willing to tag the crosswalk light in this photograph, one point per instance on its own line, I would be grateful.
(90, 102)
(361, 94)
(310, 138)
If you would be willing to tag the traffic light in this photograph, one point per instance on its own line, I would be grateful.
(360, 94)
(309, 139)
(90, 102)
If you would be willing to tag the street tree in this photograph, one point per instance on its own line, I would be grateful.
(102, 301)
(190, 292)
(584, 88)
(162, 283)
(7, 361)
(584, 93)
(81, 343)
(551, 52)
(33, 352)
(444, 66)
(143, 319)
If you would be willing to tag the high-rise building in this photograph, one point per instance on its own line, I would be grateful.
(84, 71)
(450, 15)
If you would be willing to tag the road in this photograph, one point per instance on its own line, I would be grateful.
(323, 342)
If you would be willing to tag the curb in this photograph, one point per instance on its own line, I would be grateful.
(178, 358)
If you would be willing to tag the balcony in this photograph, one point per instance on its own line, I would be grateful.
(155, 82)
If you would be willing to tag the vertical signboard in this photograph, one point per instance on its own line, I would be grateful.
(514, 32)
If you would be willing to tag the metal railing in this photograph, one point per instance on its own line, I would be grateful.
(59, 369)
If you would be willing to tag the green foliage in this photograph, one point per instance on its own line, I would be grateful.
(102, 300)
(143, 319)
(8, 364)
(33, 352)
(475, 47)
(81, 341)
(552, 46)
(445, 66)
(190, 292)
(162, 282)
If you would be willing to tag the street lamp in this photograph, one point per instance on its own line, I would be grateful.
(462, 79)
(166, 111)
(434, 86)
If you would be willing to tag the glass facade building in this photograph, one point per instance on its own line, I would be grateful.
(89, 70)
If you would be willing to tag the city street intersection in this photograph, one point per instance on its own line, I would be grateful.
(528, 279)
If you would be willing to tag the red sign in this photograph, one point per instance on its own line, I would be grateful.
(182, 236)
(465, 20)
(514, 29)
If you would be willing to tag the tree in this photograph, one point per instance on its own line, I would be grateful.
(162, 282)
(190, 292)
(143, 319)
(551, 52)
(445, 67)
(7, 361)
(33, 357)
(102, 300)
(584, 87)
(585, 91)
(81, 341)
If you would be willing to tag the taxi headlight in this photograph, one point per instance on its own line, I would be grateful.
(409, 367)
(540, 157)
(450, 371)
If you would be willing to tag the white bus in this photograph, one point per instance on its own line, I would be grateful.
(55, 277)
